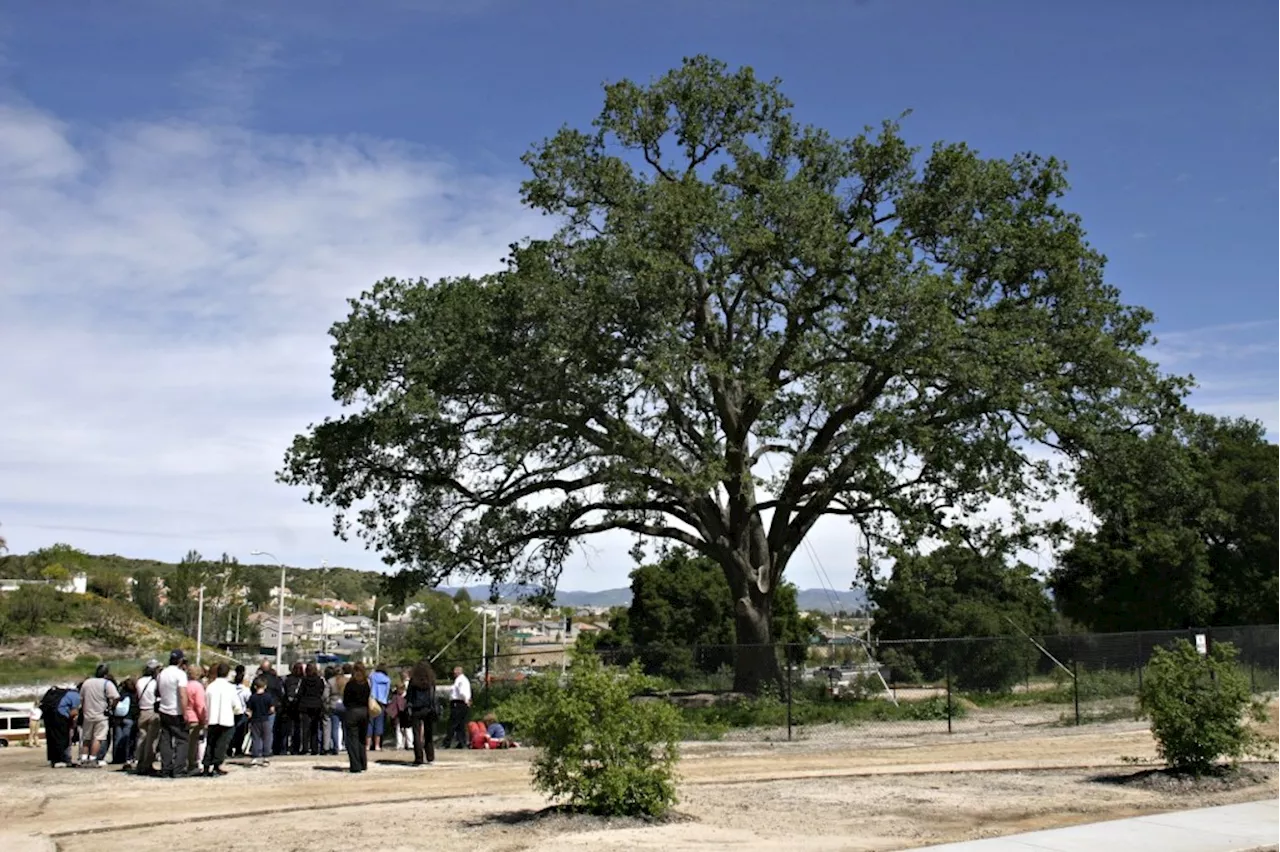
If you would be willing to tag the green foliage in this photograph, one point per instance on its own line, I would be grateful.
(106, 585)
(33, 606)
(814, 709)
(954, 593)
(1197, 705)
(440, 620)
(146, 594)
(601, 750)
(108, 623)
(728, 286)
(681, 619)
(1188, 530)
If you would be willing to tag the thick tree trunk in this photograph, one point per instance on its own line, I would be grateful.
(756, 665)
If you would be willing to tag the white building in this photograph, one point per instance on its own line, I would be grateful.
(311, 627)
(78, 584)
(357, 625)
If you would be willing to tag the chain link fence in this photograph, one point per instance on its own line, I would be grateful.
(871, 691)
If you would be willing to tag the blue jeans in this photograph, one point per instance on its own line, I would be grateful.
(334, 741)
(260, 730)
(123, 741)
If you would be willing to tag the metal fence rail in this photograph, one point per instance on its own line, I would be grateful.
(893, 689)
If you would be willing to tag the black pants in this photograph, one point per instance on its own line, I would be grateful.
(312, 721)
(424, 744)
(57, 738)
(458, 713)
(355, 727)
(215, 745)
(173, 745)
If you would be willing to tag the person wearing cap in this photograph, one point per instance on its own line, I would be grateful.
(148, 719)
(172, 691)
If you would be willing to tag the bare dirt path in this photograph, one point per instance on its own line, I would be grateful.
(746, 795)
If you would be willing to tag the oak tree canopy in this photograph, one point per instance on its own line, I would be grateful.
(743, 324)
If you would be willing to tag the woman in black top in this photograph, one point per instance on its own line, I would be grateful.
(311, 707)
(420, 699)
(292, 714)
(355, 724)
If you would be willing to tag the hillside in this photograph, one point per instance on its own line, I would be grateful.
(815, 600)
(81, 631)
(356, 585)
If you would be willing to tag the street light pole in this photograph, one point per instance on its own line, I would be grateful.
(377, 634)
(280, 621)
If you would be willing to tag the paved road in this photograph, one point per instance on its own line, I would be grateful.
(1231, 828)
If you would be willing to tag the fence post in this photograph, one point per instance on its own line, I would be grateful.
(1075, 684)
(789, 678)
(948, 669)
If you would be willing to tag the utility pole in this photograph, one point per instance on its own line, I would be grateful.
(377, 636)
(200, 626)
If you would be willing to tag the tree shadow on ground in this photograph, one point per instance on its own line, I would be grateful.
(1169, 780)
(569, 818)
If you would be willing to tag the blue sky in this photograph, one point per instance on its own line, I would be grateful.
(191, 191)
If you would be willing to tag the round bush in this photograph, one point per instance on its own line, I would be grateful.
(1197, 705)
(603, 751)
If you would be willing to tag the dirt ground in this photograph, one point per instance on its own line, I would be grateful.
(836, 792)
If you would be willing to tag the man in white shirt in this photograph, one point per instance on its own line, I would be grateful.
(223, 704)
(459, 707)
(172, 689)
(148, 719)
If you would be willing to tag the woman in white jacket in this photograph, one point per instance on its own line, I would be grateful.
(223, 705)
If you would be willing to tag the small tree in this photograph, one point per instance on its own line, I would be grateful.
(602, 751)
(32, 606)
(1197, 704)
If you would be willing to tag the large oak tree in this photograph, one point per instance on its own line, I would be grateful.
(730, 293)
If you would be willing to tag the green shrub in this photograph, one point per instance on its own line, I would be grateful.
(602, 751)
(33, 606)
(1197, 704)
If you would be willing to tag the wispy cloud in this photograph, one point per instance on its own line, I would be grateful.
(168, 287)
(224, 91)
(1235, 367)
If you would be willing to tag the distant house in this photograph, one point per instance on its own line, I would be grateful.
(335, 606)
(78, 584)
(357, 625)
(270, 634)
(311, 627)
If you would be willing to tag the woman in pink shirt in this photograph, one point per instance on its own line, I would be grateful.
(197, 716)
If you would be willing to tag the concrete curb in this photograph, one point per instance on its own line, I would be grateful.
(1247, 827)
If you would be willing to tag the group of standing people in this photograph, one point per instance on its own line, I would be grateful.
(192, 719)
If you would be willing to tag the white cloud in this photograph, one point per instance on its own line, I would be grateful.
(166, 294)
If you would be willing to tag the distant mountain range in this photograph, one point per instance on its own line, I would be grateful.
(814, 600)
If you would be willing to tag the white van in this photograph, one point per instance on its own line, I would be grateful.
(15, 722)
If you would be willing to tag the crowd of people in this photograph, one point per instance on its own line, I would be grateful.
(191, 719)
